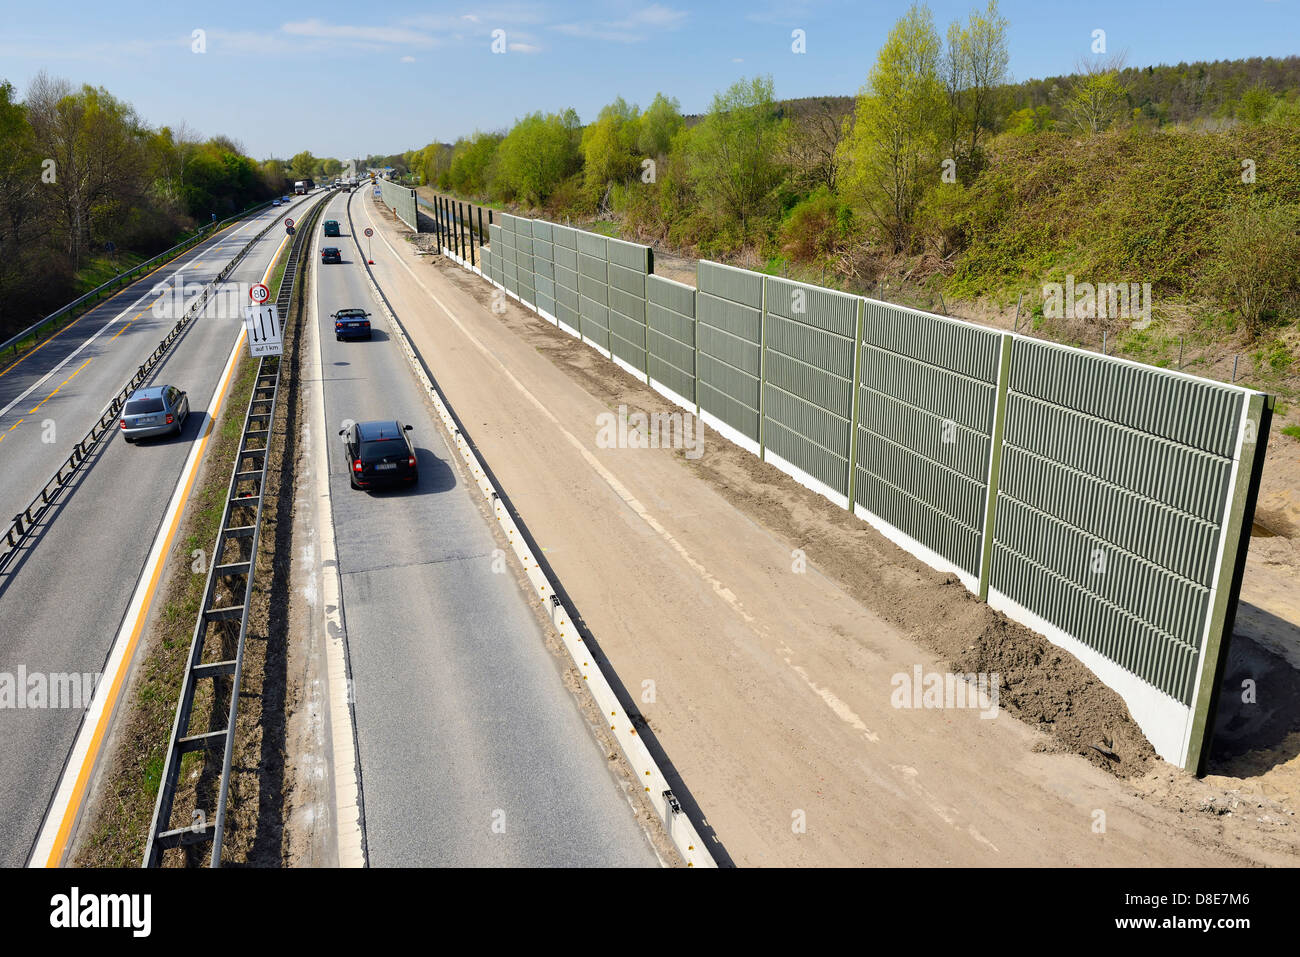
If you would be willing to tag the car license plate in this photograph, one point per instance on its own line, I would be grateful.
(148, 420)
(386, 465)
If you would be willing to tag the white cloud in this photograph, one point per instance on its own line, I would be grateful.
(407, 59)
(524, 47)
(361, 35)
(631, 29)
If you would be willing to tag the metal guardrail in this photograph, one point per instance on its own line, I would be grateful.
(131, 275)
(234, 561)
(27, 520)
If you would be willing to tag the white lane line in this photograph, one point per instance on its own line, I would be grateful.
(347, 795)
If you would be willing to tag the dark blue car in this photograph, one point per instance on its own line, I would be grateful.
(351, 324)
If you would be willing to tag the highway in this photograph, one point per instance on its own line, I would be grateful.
(63, 599)
(472, 751)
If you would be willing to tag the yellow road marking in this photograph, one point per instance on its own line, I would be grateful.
(124, 328)
(92, 757)
(96, 741)
(61, 385)
(11, 428)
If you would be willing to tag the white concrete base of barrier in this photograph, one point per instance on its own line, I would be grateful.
(732, 435)
(672, 396)
(910, 544)
(807, 481)
(1164, 720)
(629, 368)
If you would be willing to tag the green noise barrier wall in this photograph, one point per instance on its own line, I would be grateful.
(1103, 503)
(670, 336)
(925, 422)
(729, 346)
(400, 199)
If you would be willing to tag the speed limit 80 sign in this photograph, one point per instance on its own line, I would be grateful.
(259, 293)
(369, 231)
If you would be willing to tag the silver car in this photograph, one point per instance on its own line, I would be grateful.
(154, 410)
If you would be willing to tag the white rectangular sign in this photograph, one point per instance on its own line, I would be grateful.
(263, 326)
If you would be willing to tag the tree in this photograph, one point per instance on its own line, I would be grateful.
(96, 143)
(1257, 260)
(731, 153)
(1255, 104)
(661, 121)
(608, 148)
(810, 146)
(1095, 97)
(538, 154)
(974, 68)
(891, 152)
(302, 166)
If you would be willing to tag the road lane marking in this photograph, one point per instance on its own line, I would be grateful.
(61, 385)
(12, 427)
(65, 808)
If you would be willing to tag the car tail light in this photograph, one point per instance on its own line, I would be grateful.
(410, 461)
(169, 420)
(124, 423)
(356, 465)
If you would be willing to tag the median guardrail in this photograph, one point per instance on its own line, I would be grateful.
(234, 563)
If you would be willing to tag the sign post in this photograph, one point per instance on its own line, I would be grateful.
(370, 260)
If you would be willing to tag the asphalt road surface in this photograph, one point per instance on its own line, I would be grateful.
(63, 599)
(472, 751)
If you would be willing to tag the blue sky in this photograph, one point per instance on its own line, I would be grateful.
(349, 79)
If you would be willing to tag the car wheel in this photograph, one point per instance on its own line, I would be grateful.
(128, 440)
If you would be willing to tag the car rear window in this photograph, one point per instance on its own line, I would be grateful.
(382, 448)
(144, 406)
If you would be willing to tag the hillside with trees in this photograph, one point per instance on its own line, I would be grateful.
(944, 178)
(80, 169)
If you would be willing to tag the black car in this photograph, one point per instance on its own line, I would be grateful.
(379, 453)
(331, 254)
(351, 324)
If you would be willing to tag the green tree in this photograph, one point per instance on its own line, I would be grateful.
(890, 156)
(609, 148)
(974, 68)
(1095, 98)
(661, 121)
(1257, 259)
(302, 166)
(537, 155)
(1255, 104)
(731, 154)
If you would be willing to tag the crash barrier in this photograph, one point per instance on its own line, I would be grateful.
(223, 615)
(1103, 503)
(123, 279)
(26, 521)
(681, 831)
(400, 199)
